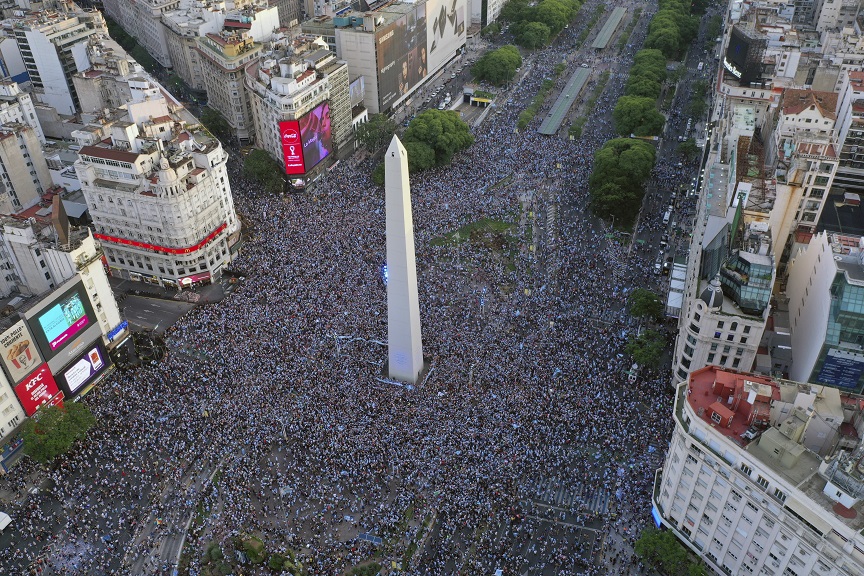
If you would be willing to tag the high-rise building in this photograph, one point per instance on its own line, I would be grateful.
(24, 174)
(142, 19)
(397, 47)
(16, 107)
(825, 288)
(762, 476)
(223, 56)
(54, 47)
(183, 27)
(41, 365)
(300, 83)
(157, 190)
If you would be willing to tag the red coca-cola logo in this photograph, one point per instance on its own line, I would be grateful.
(290, 136)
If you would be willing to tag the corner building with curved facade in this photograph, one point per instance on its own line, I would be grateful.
(157, 188)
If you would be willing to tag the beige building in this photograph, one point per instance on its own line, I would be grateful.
(289, 82)
(223, 57)
(24, 174)
(142, 19)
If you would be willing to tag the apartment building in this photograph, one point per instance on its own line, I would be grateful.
(54, 47)
(288, 83)
(183, 27)
(761, 475)
(142, 19)
(157, 190)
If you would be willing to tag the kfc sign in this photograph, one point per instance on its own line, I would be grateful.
(292, 147)
(36, 389)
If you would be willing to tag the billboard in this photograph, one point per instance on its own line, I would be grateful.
(357, 90)
(37, 389)
(19, 351)
(743, 58)
(447, 31)
(316, 133)
(292, 147)
(83, 370)
(401, 52)
(842, 369)
(61, 317)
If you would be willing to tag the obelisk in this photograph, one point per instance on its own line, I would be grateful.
(404, 343)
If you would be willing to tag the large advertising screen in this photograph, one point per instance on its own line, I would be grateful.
(63, 316)
(402, 56)
(357, 90)
(842, 369)
(317, 135)
(19, 351)
(83, 370)
(447, 31)
(37, 389)
(292, 147)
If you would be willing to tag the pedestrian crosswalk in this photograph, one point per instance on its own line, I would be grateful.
(562, 494)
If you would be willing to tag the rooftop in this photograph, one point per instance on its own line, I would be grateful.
(796, 101)
(805, 434)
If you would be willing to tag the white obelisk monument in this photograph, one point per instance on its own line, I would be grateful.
(404, 343)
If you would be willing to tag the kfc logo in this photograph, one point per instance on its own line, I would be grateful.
(34, 381)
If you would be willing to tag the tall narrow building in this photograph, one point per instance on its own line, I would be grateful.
(404, 342)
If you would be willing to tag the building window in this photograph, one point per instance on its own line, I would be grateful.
(780, 495)
(711, 358)
(762, 482)
(746, 469)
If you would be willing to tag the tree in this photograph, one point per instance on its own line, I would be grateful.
(661, 549)
(53, 430)
(688, 149)
(642, 86)
(421, 156)
(645, 304)
(517, 11)
(377, 132)
(553, 14)
(697, 107)
(216, 124)
(443, 131)
(534, 35)
(648, 59)
(499, 66)
(491, 30)
(646, 350)
(637, 115)
(261, 168)
(667, 40)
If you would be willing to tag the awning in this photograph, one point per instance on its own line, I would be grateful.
(194, 278)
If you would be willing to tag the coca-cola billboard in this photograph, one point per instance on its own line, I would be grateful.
(37, 389)
(292, 147)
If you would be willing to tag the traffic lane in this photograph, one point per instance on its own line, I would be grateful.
(153, 313)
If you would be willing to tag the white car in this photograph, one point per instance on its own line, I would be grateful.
(5, 520)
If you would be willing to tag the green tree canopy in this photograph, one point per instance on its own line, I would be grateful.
(441, 130)
(642, 86)
(554, 14)
(688, 149)
(621, 167)
(517, 11)
(53, 430)
(533, 35)
(637, 115)
(264, 170)
(649, 59)
(663, 550)
(216, 124)
(667, 40)
(646, 350)
(421, 156)
(377, 132)
(645, 304)
(499, 66)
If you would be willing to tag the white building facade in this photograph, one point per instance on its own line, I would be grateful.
(774, 504)
(158, 195)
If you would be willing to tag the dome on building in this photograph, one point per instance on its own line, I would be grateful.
(713, 294)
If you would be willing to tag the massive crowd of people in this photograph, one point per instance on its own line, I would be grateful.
(271, 415)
